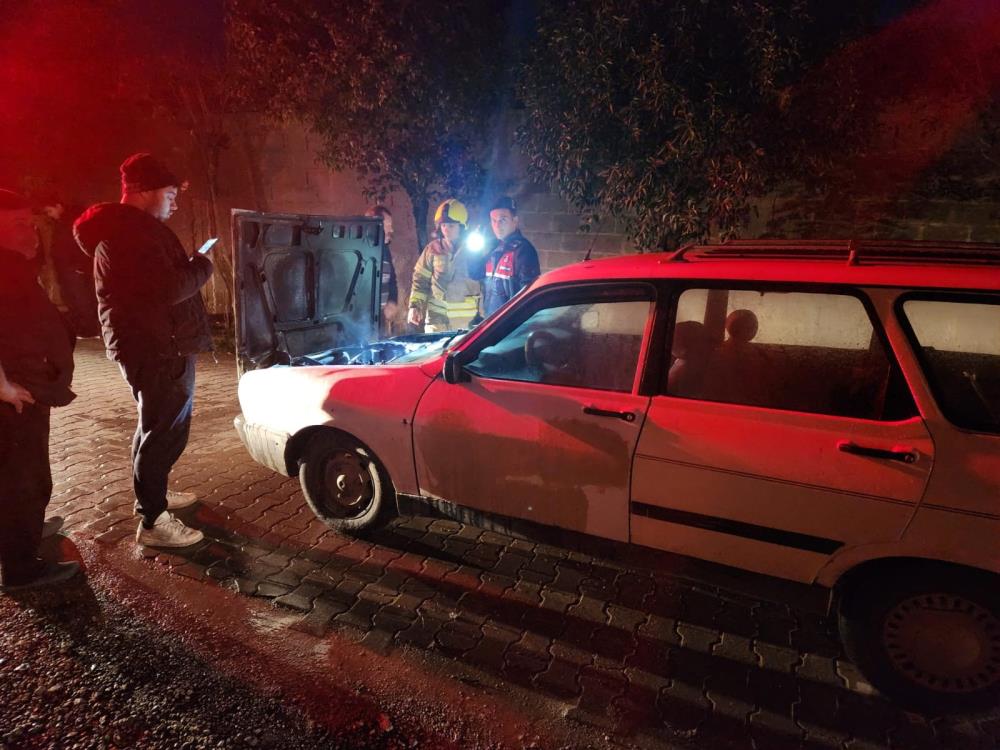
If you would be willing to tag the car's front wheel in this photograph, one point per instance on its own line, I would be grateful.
(926, 635)
(344, 484)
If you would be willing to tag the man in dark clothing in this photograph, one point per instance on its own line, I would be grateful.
(74, 273)
(36, 369)
(512, 264)
(154, 323)
(390, 289)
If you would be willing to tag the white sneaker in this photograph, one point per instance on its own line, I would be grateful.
(167, 532)
(177, 500)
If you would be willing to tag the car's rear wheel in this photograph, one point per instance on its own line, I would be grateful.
(344, 484)
(926, 635)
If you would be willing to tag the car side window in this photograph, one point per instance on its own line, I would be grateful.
(798, 351)
(958, 343)
(585, 344)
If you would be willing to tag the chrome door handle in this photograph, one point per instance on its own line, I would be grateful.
(906, 455)
(628, 416)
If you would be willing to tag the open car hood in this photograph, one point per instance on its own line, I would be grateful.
(304, 284)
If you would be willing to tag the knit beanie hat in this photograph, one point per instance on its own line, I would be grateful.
(142, 172)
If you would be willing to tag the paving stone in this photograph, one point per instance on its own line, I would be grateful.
(775, 625)
(360, 615)
(599, 689)
(543, 621)
(301, 598)
(818, 669)
(590, 609)
(317, 621)
(115, 534)
(612, 644)
(773, 731)
(489, 652)
(421, 632)
(736, 648)
(558, 601)
(777, 658)
(682, 707)
(527, 657)
(523, 594)
(698, 638)
(191, 570)
(560, 678)
(271, 590)
(457, 637)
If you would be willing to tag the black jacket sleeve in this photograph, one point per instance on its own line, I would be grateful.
(187, 279)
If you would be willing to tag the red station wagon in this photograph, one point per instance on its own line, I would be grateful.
(826, 412)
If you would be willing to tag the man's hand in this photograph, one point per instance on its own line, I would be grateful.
(389, 310)
(414, 317)
(15, 395)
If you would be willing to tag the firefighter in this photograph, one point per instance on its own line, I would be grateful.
(443, 296)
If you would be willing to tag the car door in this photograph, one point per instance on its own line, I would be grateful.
(783, 432)
(544, 421)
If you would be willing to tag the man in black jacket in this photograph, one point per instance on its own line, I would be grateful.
(154, 323)
(36, 369)
(512, 264)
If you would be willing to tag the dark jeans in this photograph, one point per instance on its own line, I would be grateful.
(164, 390)
(25, 489)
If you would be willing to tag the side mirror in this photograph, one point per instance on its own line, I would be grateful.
(453, 371)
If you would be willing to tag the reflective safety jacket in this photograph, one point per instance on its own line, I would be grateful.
(442, 289)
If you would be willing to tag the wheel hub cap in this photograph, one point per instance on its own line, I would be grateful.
(944, 642)
(349, 482)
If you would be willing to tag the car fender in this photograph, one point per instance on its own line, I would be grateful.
(373, 404)
(850, 558)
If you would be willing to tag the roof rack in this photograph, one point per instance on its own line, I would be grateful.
(852, 252)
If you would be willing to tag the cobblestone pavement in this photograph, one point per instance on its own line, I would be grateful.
(659, 653)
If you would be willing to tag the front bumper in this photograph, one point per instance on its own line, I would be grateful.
(265, 446)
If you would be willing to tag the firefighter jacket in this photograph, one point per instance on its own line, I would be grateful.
(511, 266)
(443, 291)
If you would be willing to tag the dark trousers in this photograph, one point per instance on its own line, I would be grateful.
(25, 489)
(164, 391)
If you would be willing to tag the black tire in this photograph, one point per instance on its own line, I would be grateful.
(344, 484)
(926, 635)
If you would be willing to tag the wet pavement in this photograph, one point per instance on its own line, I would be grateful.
(277, 632)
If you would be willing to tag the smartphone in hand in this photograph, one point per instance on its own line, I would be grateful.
(209, 244)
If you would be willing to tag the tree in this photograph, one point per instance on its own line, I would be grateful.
(671, 116)
(401, 92)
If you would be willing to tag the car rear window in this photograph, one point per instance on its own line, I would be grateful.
(958, 343)
(793, 350)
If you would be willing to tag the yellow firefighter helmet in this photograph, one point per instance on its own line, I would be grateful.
(451, 211)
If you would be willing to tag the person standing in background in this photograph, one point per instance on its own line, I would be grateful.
(390, 289)
(444, 297)
(512, 264)
(36, 371)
